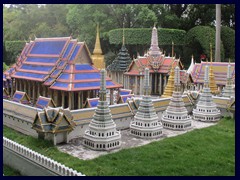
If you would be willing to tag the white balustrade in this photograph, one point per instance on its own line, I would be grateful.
(40, 159)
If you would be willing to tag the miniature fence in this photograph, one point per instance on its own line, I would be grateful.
(39, 159)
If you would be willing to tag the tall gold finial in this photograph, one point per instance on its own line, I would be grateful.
(172, 48)
(97, 48)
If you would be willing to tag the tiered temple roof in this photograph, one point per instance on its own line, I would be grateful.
(21, 97)
(61, 63)
(219, 70)
(44, 102)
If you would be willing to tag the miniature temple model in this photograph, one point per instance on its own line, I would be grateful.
(120, 64)
(58, 68)
(98, 57)
(170, 84)
(159, 67)
(176, 115)
(228, 90)
(145, 123)
(102, 133)
(212, 83)
(206, 109)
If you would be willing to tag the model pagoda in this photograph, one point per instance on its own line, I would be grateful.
(145, 123)
(228, 90)
(176, 115)
(120, 64)
(206, 109)
(98, 57)
(102, 133)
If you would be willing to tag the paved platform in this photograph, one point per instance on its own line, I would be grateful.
(75, 147)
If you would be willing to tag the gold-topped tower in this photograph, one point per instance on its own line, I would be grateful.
(168, 91)
(212, 83)
(97, 57)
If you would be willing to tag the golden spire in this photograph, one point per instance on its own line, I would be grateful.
(172, 48)
(212, 83)
(97, 48)
(170, 84)
(97, 57)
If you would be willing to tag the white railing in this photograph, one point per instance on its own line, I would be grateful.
(44, 161)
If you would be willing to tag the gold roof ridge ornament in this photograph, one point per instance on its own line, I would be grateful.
(172, 48)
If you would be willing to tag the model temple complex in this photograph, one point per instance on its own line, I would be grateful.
(58, 91)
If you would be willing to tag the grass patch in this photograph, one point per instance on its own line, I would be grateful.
(8, 171)
(208, 151)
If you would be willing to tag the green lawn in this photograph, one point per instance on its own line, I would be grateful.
(208, 151)
(8, 171)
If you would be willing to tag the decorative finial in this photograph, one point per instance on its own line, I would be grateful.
(155, 24)
(146, 79)
(192, 56)
(177, 79)
(229, 61)
(30, 39)
(102, 92)
(206, 76)
(35, 36)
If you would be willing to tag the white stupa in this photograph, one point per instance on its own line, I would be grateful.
(146, 122)
(102, 133)
(229, 89)
(176, 116)
(206, 110)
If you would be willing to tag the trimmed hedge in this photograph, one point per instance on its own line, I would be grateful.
(203, 36)
(228, 40)
(13, 49)
(142, 36)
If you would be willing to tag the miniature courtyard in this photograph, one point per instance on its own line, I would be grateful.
(76, 149)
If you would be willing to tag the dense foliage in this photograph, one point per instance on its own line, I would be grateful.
(142, 36)
(199, 39)
(21, 21)
(228, 40)
(13, 49)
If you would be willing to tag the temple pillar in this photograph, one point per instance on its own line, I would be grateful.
(160, 84)
(55, 97)
(155, 83)
(135, 88)
(38, 91)
(141, 85)
(25, 86)
(69, 100)
(111, 96)
(44, 91)
(34, 93)
(63, 98)
(16, 82)
(11, 88)
(79, 99)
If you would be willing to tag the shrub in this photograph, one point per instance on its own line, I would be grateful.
(13, 49)
(202, 36)
(228, 40)
(142, 36)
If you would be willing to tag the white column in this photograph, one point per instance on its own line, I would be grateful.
(160, 84)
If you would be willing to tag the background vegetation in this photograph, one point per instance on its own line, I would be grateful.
(201, 152)
(24, 21)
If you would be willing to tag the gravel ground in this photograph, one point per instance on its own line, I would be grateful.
(76, 149)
